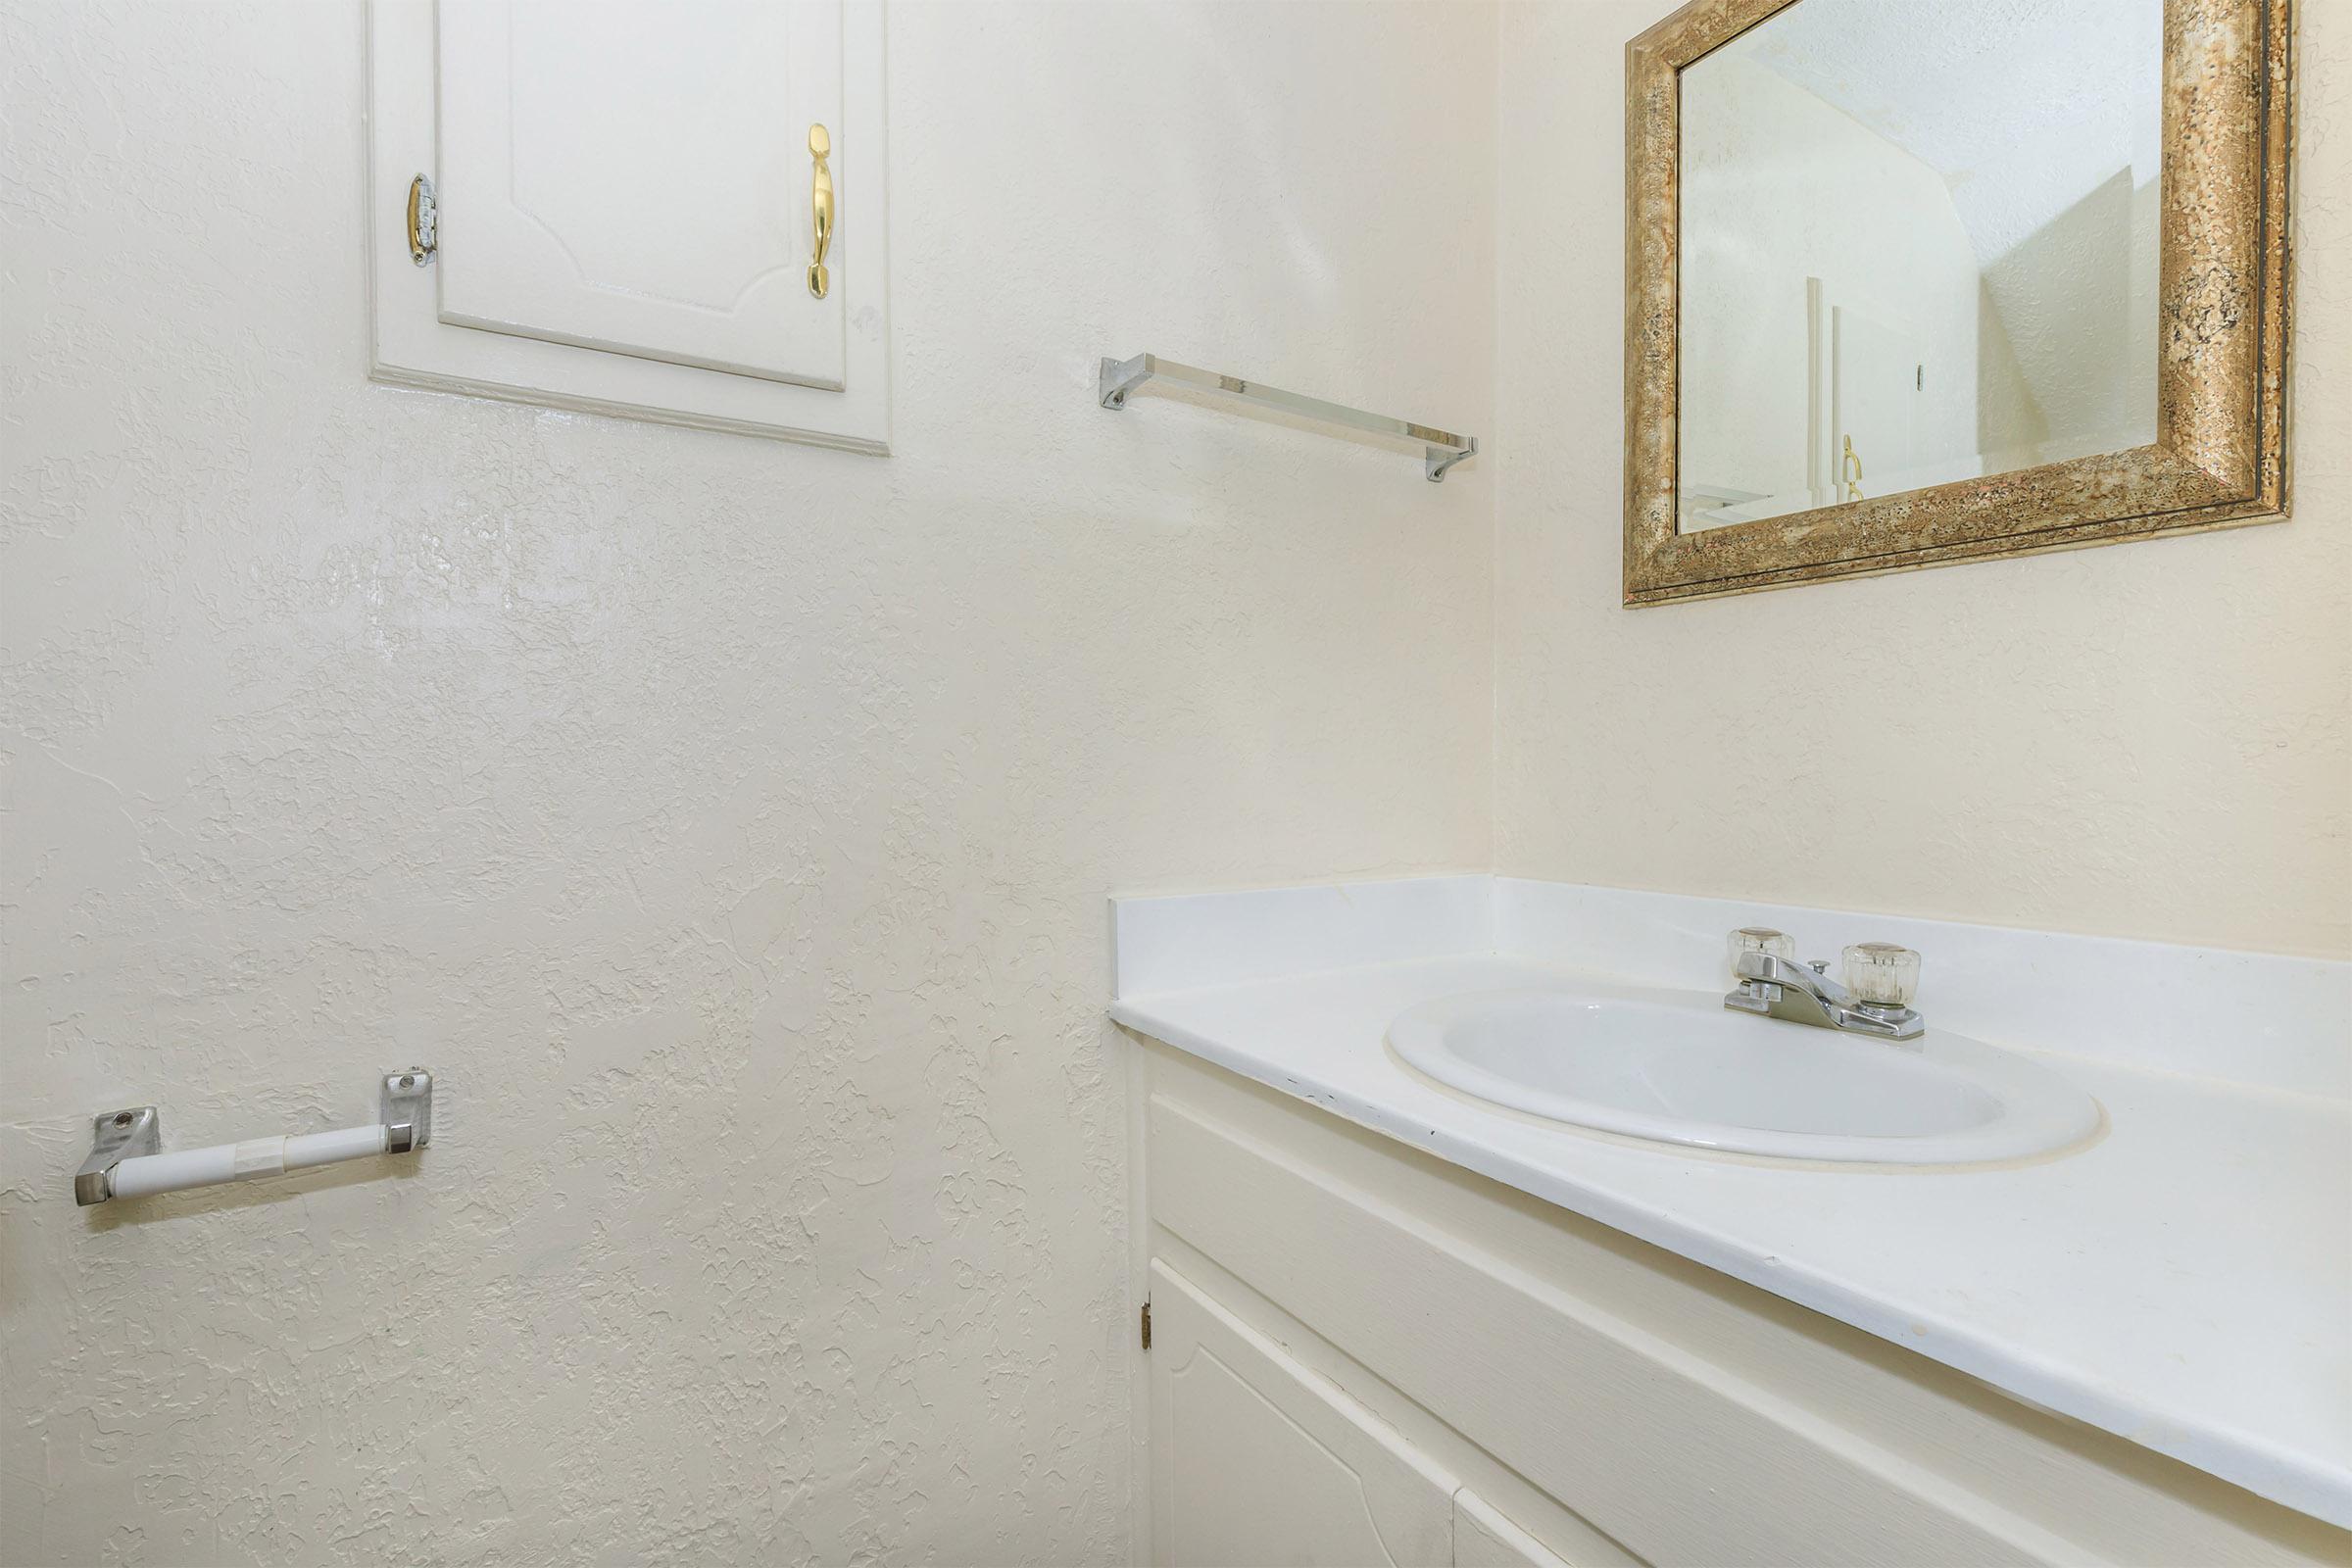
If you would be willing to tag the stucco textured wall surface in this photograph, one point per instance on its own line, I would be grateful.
(2149, 740)
(726, 822)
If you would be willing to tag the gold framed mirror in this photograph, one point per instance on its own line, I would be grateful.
(1908, 285)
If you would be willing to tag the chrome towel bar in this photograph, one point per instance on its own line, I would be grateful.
(126, 1160)
(1442, 449)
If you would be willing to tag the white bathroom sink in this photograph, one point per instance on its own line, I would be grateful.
(1680, 1068)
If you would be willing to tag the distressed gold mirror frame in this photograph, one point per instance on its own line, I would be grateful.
(2219, 456)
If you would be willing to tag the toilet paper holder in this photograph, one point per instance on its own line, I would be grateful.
(126, 1158)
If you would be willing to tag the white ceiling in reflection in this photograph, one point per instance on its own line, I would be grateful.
(2024, 107)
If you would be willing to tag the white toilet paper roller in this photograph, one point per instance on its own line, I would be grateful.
(143, 1174)
(126, 1158)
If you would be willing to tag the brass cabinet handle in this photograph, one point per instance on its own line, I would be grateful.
(423, 224)
(820, 200)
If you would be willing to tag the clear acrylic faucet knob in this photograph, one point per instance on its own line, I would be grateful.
(1881, 973)
(1758, 939)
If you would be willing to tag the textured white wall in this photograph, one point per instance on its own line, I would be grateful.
(728, 823)
(2149, 740)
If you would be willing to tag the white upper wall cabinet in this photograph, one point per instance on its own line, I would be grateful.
(638, 178)
(626, 201)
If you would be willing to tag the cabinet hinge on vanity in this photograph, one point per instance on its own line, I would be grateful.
(1147, 1325)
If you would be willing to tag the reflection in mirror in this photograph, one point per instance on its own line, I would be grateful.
(1919, 245)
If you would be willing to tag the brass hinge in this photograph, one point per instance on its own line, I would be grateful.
(1147, 1325)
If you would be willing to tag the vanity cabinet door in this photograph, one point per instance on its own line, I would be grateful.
(1483, 1537)
(1257, 1459)
(637, 178)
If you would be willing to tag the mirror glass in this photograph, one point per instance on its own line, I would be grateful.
(1919, 245)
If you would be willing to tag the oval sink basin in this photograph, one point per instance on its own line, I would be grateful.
(1680, 1068)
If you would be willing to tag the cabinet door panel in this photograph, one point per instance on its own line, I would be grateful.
(635, 177)
(1679, 1459)
(1483, 1538)
(1254, 1459)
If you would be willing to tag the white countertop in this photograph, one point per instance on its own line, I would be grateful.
(2184, 1282)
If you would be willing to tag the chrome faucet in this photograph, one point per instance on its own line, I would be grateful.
(1881, 979)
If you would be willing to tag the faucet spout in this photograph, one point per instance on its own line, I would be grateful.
(1803, 993)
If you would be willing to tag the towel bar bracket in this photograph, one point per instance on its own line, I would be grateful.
(1436, 461)
(406, 1109)
(1118, 377)
(116, 1136)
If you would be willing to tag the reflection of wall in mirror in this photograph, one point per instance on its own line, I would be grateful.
(1779, 188)
(2078, 351)
(1884, 153)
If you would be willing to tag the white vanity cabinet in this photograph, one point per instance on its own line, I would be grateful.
(617, 209)
(1363, 1355)
(1258, 1458)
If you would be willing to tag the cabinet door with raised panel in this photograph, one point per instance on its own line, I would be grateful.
(638, 178)
(615, 206)
(1257, 1459)
(1483, 1537)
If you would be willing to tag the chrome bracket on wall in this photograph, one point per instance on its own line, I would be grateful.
(114, 1137)
(1437, 460)
(406, 1109)
(1440, 449)
(1115, 378)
